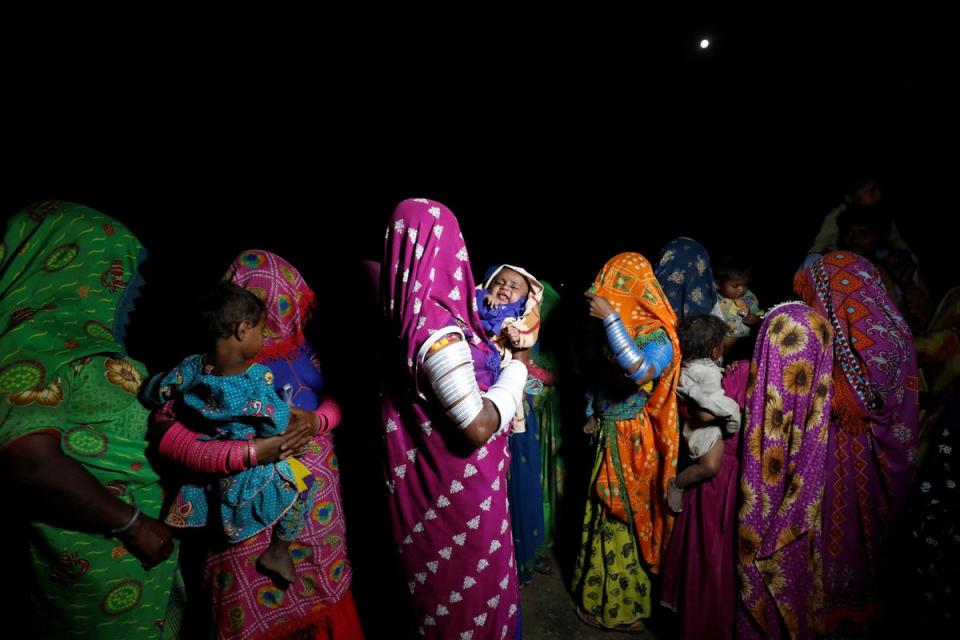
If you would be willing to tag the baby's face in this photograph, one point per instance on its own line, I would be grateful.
(509, 286)
(734, 287)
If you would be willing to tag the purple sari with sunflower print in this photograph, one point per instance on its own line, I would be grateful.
(782, 475)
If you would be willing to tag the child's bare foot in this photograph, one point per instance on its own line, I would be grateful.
(277, 564)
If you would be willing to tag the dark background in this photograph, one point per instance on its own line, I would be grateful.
(558, 141)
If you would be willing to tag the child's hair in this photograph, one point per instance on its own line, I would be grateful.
(727, 267)
(700, 335)
(225, 306)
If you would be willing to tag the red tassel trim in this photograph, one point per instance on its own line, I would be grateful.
(287, 347)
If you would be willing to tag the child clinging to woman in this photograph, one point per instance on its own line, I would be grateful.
(509, 307)
(223, 394)
(710, 411)
(739, 306)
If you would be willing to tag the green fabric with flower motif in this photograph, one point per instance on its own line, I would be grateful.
(67, 274)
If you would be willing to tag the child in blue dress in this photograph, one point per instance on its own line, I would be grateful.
(224, 395)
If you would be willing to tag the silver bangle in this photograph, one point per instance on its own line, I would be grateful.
(124, 528)
(451, 374)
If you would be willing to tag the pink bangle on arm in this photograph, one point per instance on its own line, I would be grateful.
(239, 456)
(181, 445)
(221, 459)
(329, 414)
(173, 443)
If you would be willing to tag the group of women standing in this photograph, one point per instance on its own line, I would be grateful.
(789, 539)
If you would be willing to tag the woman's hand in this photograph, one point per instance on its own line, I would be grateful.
(301, 429)
(512, 336)
(268, 449)
(599, 306)
(149, 540)
(62, 492)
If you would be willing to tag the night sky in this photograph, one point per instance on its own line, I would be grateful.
(208, 142)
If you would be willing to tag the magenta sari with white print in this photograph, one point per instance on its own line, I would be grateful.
(449, 504)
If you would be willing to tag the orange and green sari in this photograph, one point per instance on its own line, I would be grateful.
(627, 523)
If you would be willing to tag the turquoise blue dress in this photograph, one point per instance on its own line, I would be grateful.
(238, 407)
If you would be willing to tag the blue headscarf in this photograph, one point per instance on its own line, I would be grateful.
(683, 270)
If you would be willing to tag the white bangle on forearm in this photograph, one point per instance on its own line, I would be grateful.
(451, 374)
(507, 393)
